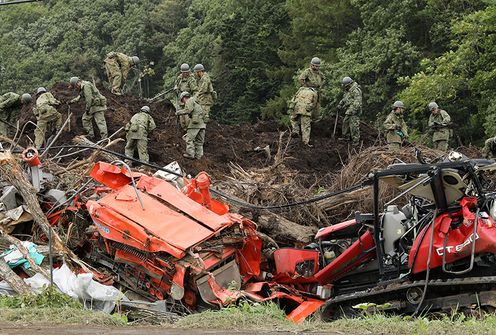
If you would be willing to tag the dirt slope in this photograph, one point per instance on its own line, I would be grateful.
(224, 143)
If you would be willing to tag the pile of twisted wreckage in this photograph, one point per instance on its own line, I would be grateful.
(156, 239)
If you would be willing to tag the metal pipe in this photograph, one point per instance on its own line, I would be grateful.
(86, 149)
(132, 180)
(70, 199)
(50, 256)
(377, 228)
(22, 132)
(56, 136)
(406, 191)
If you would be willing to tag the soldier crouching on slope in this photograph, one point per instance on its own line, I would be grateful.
(46, 115)
(117, 66)
(10, 111)
(195, 135)
(185, 82)
(300, 112)
(95, 107)
(137, 130)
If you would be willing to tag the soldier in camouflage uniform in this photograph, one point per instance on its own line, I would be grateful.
(117, 66)
(395, 126)
(312, 77)
(137, 131)
(439, 121)
(10, 111)
(490, 148)
(46, 115)
(185, 82)
(352, 106)
(95, 106)
(300, 112)
(195, 135)
(205, 95)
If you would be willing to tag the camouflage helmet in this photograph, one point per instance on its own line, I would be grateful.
(26, 98)
(432, 105)
(145, 109)
(40, 90)
(184, 67)
(184, 94)
(135, 60)
(73, 81)
(315, 61)
(346, 81)
(199, 67)
(398, 104)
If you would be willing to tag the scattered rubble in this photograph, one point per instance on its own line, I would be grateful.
(157, 233)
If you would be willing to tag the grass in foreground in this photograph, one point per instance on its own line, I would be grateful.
(52, 307)
(268, 317)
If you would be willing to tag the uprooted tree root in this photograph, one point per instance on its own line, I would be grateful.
(278, 184)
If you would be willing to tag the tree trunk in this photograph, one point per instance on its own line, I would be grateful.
(284, 231)
(13, 279)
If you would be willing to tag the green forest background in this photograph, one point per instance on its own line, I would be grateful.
(411, 50)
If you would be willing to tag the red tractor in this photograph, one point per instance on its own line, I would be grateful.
(437, 252)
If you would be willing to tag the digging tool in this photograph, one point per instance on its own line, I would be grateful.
(160, 95)
(335, 125)
(68, 117)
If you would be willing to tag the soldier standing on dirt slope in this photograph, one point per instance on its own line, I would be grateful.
(312, 77)
(395, 126)
(137, 131)
(10, 111)
(439, 121)
(490, 148)
(185, 82)
(95, 107)
(46, 115)
(195, 135)
(352, 105)
(300, 112)
(117, 66)
(205, 95)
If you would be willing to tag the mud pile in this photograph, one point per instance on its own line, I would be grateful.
(224, 143)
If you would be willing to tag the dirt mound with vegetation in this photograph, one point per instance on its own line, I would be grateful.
(249, 146)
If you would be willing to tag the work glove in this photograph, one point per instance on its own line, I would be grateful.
(400, 133)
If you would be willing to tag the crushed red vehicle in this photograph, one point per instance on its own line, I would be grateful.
(180, 245)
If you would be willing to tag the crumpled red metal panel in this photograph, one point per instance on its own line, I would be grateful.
(176, 198)
(111, 175)
(305, 306)
(250, 255)
(156, 218)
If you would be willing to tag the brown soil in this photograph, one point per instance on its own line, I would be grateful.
(224, 143)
